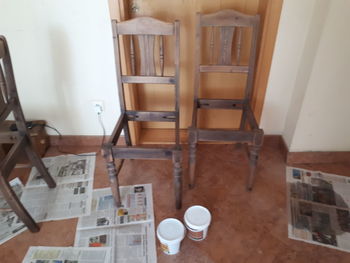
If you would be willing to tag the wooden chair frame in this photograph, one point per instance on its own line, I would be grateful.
(145, 29)
(226, 21)
(9, 103)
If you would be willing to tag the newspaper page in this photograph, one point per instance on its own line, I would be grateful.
(130, 243)
(128, 230)
(137, 206)
(70, 198)
(318, 205)
(67, 255)
(10, 225)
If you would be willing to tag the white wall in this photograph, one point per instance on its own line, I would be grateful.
(63, 59)
(290, 41)
(308, 89)
(324, 123)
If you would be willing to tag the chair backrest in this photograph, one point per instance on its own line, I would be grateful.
(145, 40)
(229, 24)
(9, 101)
(145, 33)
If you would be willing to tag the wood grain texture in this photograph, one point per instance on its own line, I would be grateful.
(145, 26)
(145, 31)
(119, 12)
(226, 20)
(21, 140)
(185, 11)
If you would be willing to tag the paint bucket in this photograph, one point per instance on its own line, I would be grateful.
(170, 233)
(197, 220)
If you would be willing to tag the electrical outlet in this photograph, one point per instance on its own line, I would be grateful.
(98, 106)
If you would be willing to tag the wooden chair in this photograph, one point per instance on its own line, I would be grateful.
(9, 103)
(228, 23)
(145, 31)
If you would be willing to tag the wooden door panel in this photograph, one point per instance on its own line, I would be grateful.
(157, 97)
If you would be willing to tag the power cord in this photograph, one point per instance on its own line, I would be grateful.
(60, 136)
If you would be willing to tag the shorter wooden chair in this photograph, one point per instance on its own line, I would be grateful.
(228, 23)
(145, 31)
(9, 103)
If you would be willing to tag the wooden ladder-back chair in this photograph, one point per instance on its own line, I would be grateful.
(230, 24)
(145, 31)
(9, 103)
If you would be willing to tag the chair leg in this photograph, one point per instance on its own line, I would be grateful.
(177, 178)
(127, 136)
(192, 157)
(16, 205)
(253, 160)
(39, 165)
(113, 172)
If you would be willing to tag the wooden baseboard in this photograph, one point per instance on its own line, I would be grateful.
(166, 136)
(317, 157)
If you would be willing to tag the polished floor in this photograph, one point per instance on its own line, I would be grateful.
(246, 226)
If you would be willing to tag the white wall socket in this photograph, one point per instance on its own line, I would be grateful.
(98, 106)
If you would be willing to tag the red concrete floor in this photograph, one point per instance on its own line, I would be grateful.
(246, 226)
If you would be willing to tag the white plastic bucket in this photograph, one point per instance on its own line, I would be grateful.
(197, 220)
(170, 233)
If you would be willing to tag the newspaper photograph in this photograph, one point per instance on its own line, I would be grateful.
(318, 205)
(10, 225)
(137, 206)
(67, 255)
(129, 243)
(65, 169)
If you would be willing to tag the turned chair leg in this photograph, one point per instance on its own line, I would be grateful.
(39, 165)
(113, 172)
(253, 161)
(16, 205)
(177, 178)
(192, 157)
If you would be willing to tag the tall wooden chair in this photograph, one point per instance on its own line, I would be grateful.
(9, 103)
(144, 31)
(230, 24)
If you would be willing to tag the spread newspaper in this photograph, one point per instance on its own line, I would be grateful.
(70, 198)
(129, 230)
(10, 225)
(67, 255)
(318, 205)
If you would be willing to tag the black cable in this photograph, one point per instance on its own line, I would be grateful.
(60, 136)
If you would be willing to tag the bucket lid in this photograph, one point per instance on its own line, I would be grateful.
(197, 217)
(171, 229)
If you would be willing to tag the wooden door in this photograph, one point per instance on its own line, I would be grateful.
(216, 86)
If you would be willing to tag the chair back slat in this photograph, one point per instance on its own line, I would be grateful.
(226, 36)
(238, 45)
(211, 44)
(132, 56)
(146, 45)
(161, 55)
